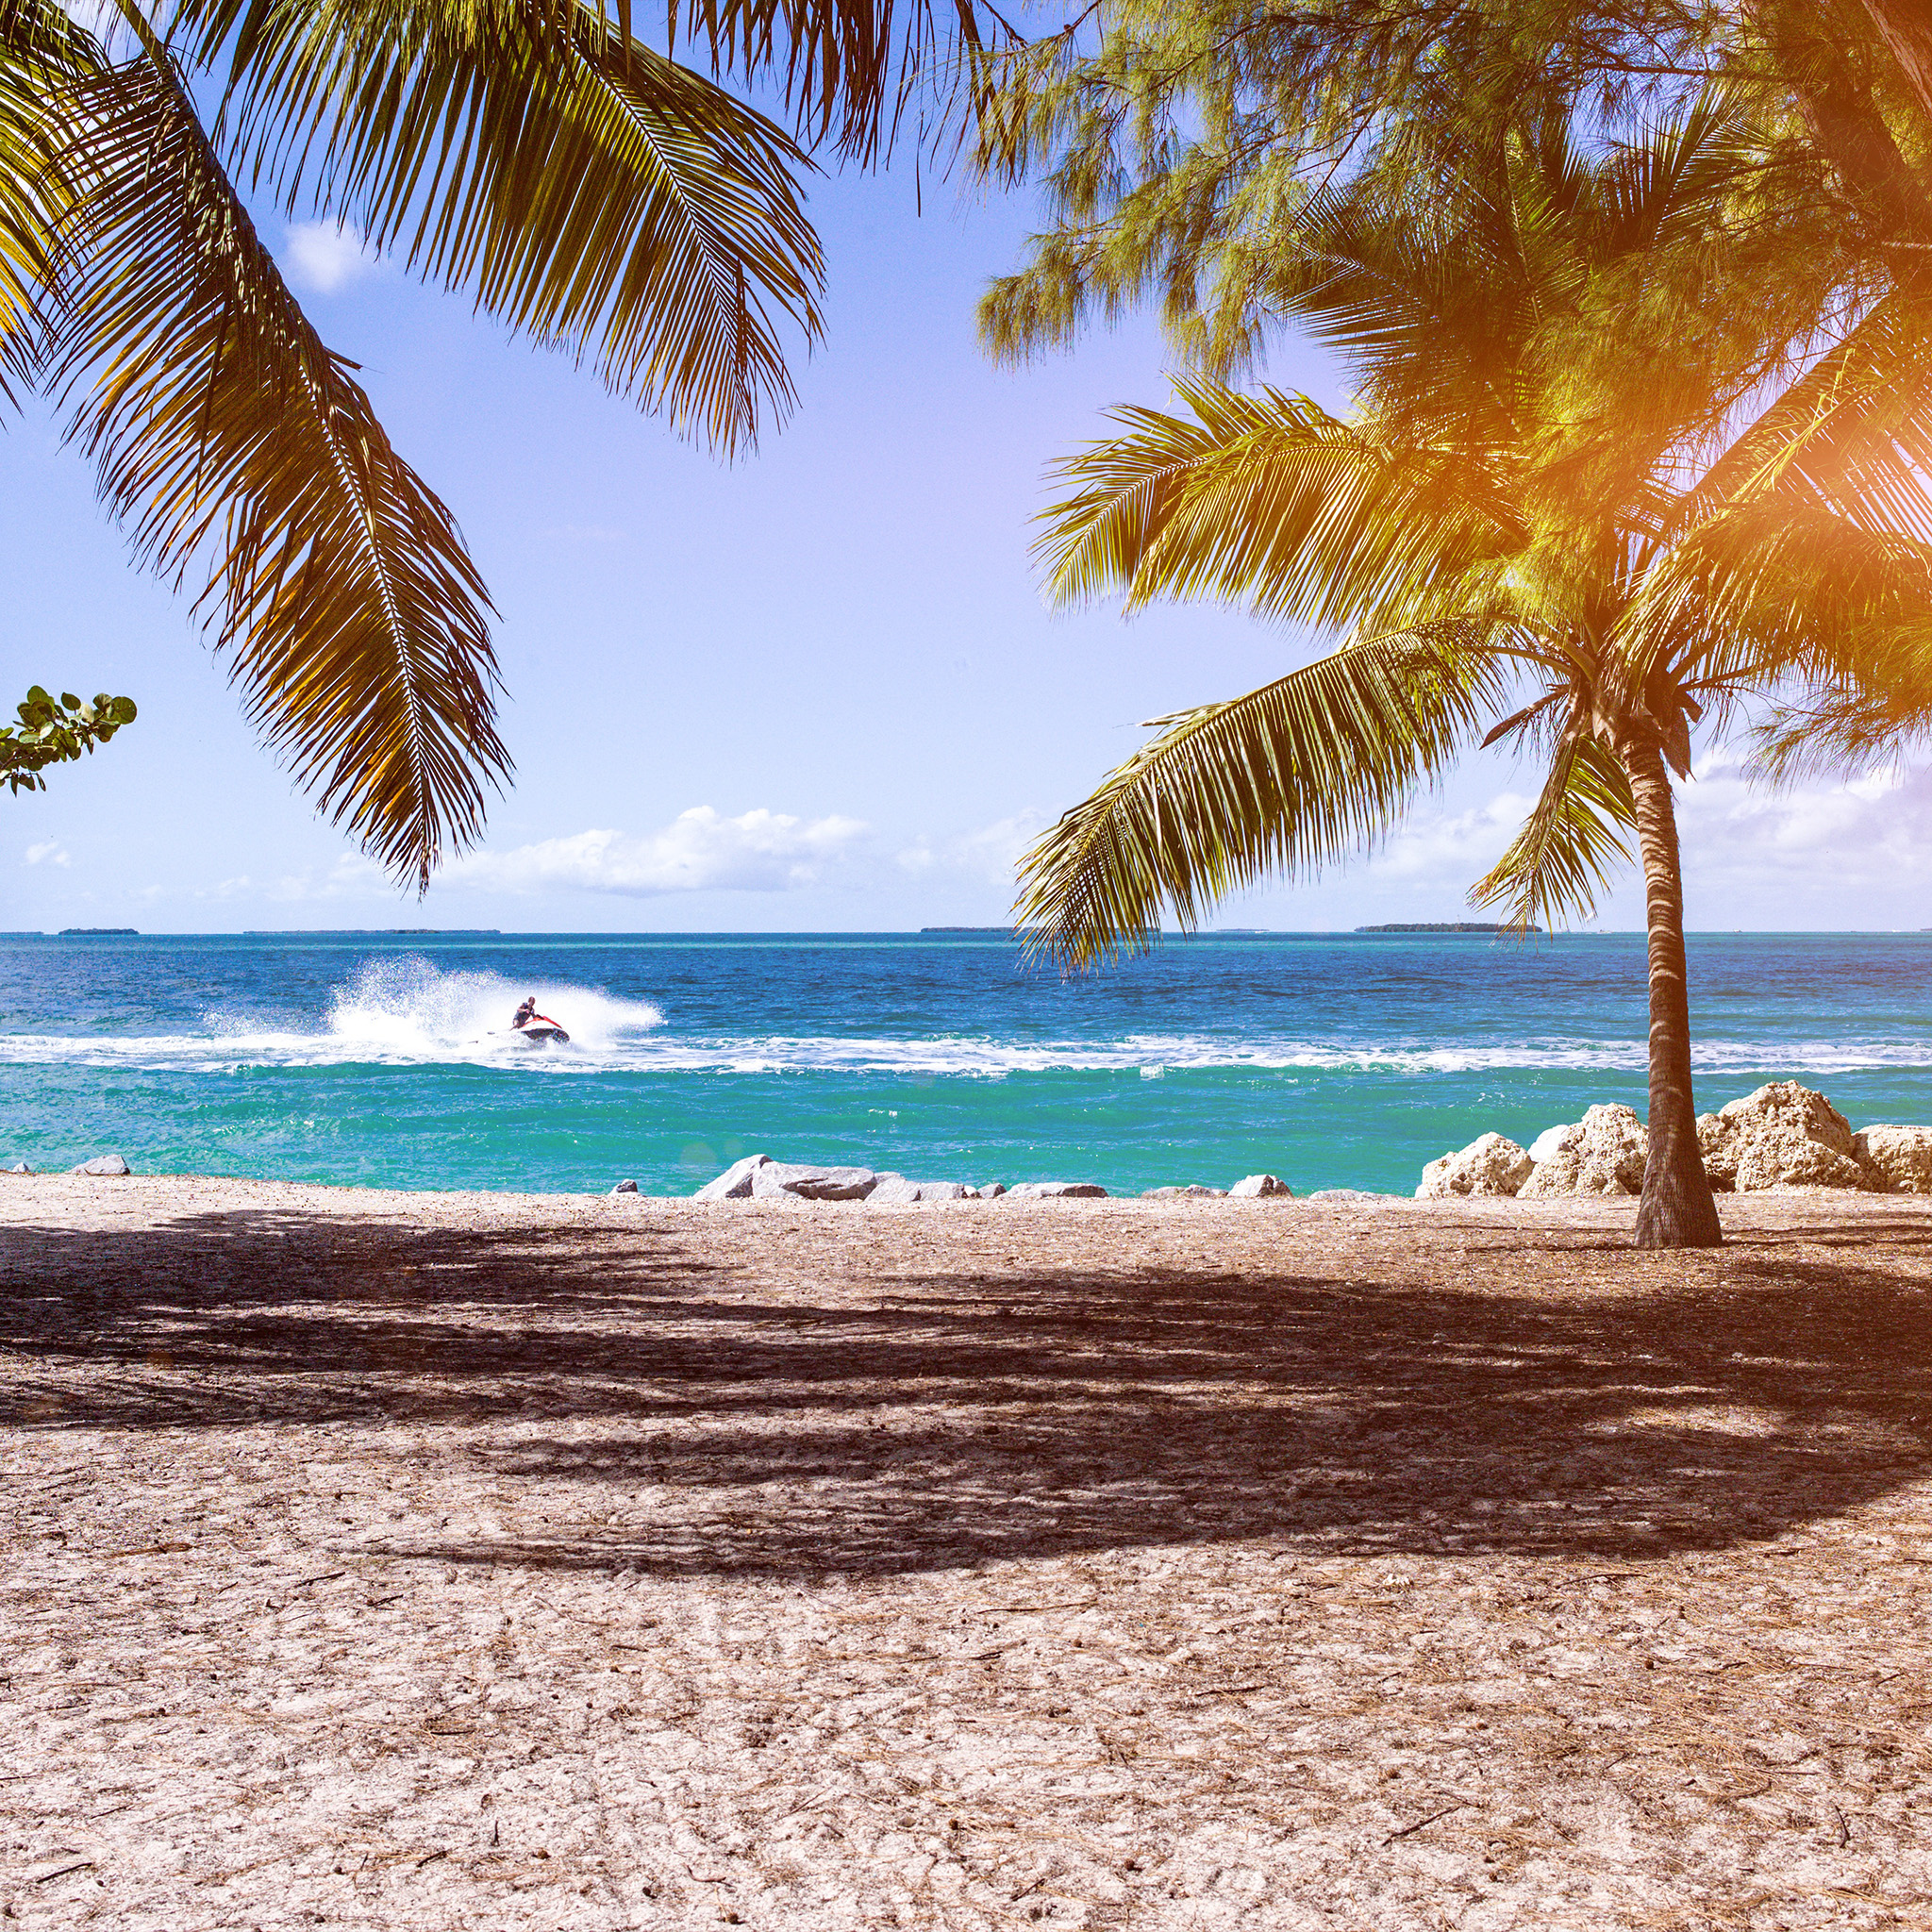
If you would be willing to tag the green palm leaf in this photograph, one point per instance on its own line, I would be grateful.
(1854, 433)
(835, 56)
(1270, 501)
(589, 192)
(1778, 586)
(243, 455)
(41, 50)
(1314, 765)
(852, 66)
(1571, 843)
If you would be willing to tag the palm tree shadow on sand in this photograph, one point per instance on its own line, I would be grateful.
(676, 1416)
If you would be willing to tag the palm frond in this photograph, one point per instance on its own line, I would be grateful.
(1572, 841)
(1269, 500)
(243, 456)
(848, 70)
(589, 192)
(1781, 586)
(1278, 782)
(40, 52)
(1854, 433)
(834, 59)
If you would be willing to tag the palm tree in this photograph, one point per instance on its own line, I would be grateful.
(583, 188)
(1540, 523)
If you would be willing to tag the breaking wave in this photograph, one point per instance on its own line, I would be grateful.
(407, 1011)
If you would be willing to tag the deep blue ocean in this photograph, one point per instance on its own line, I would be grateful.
(1333, 1060)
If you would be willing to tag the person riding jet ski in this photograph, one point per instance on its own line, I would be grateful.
(527, 1019)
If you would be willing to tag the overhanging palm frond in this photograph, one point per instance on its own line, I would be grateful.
(587, 191)
(1843, 616)
(1270, 501)
(1854, 433)
(1572, 841)
(1836, 728)
(40, 52)
(845, 65)
(1314, 765)
(835, 55)
(1781, 586)
(234, 443)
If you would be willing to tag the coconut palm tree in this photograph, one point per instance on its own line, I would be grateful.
(1540, 523)
(586, 191)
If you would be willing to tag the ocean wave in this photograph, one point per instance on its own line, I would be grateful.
(407, 1011)
(616, 1037)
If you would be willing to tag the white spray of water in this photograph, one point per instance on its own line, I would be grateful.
(406, 1009)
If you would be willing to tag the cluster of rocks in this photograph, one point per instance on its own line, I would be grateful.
(759, 1177)
(1782, 1136)
(100, 1165)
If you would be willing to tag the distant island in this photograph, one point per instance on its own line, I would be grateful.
(1450, 925)
(99, 932)
(1219, 932)
(372, 932)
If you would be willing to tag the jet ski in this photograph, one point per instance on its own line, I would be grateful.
(539, 1029)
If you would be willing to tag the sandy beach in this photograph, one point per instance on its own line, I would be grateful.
(484, 1560)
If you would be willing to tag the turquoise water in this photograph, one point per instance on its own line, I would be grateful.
(1334, 1060)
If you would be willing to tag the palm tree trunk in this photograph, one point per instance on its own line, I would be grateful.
(1676, 1210)
(1903, 29)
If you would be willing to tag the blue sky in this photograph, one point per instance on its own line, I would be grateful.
(816, 689)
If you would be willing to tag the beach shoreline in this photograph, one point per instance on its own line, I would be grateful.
(425, 1560)
(1759, 1208)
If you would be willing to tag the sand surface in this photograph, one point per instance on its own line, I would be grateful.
(498, 1561)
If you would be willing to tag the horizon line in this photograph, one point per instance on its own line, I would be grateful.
(999, 935)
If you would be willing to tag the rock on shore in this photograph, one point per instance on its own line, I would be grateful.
(895, 1190)
(759, 1177)
(1260, 1187)
(1491, 1165)
(1784, 1135)
(1896, 1159)
(1602, 1153)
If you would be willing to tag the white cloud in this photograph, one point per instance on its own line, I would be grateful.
(1857, 854)
(48, 852)
(1456, 847)
(351, 877)
(699, 851)
(991, 853)
(1873, 833)
(322, 258)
